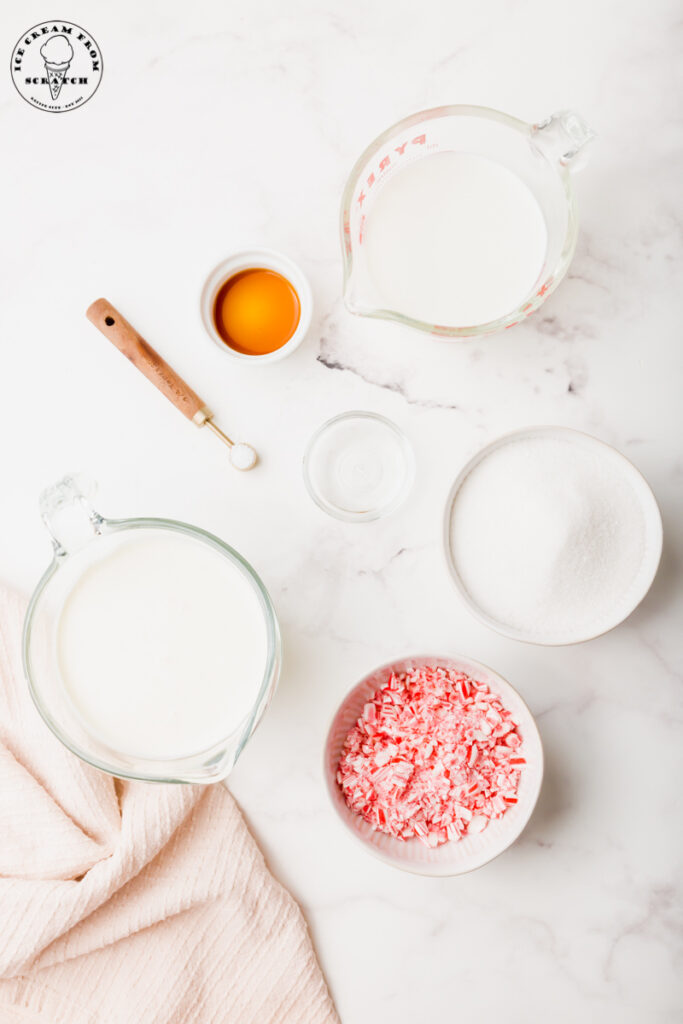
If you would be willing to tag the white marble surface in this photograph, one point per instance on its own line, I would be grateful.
(218, 124)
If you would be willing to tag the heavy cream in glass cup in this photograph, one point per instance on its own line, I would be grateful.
(460, 220)
(151, 648)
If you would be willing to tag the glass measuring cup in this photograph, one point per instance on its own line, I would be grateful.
(540, 155)
(81, 538)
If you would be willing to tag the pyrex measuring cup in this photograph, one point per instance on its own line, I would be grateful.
(82, 538)
(540, 155)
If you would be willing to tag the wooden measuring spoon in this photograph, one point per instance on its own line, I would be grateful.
(123, 335)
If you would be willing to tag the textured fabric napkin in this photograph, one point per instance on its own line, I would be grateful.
(128, 903)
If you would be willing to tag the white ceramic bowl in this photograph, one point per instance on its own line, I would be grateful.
(456, 857)
(248, 259)
(652, 520)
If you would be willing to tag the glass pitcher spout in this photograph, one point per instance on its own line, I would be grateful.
(563, 137)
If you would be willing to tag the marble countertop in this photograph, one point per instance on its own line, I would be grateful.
(219, 125)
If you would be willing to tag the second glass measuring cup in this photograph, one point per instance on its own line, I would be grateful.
(461, 220)
(151, 648)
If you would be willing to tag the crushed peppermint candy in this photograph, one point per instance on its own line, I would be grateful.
(435, 755)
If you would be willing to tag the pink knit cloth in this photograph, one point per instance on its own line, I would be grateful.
(128, 903)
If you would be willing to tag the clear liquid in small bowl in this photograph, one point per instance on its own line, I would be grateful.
(358, 466)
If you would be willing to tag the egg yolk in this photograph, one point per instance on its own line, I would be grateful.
(256, 311)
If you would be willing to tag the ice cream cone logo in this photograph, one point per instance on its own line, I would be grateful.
(57, 53)
(56, 66)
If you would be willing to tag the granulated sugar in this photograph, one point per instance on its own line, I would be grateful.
(547, 535)
(435, 755)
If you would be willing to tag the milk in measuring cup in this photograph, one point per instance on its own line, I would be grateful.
(162, 646)
(454, 239)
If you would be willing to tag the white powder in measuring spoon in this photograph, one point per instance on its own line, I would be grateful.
(547, 535)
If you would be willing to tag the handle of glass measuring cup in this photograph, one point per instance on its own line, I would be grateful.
(563, 137)
(123, 335)
(68, 515)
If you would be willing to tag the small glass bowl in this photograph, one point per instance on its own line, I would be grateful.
(349, 481)
(470, 852)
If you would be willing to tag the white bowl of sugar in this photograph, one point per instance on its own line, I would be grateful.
(552, 536)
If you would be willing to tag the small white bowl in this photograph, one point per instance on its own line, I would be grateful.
(250, 259)
(458, 856)
(652, 521)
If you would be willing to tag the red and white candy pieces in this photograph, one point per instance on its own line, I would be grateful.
(435, 755)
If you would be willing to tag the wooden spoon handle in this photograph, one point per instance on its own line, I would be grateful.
(127, 340)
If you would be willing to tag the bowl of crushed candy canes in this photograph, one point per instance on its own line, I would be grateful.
(434, 764)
